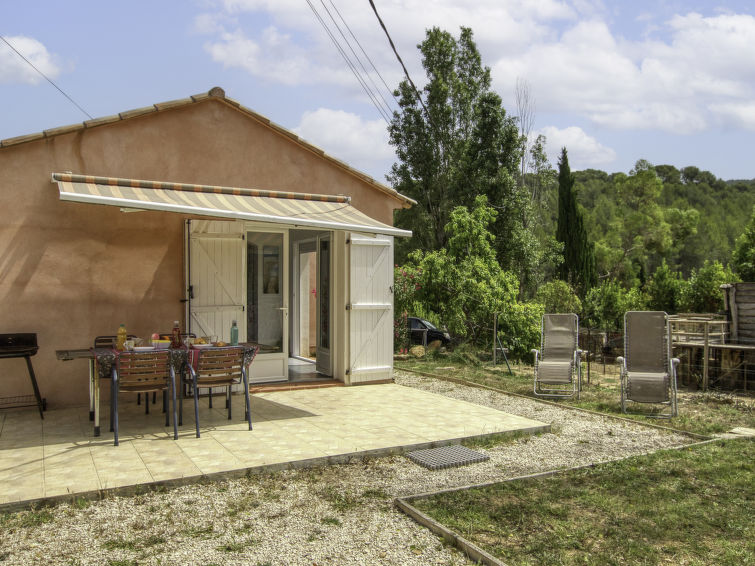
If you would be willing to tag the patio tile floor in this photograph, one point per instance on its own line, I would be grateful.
(58, 457)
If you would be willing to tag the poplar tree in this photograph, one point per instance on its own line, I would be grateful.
(578, 268)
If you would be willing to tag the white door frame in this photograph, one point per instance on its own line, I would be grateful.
(273, 366)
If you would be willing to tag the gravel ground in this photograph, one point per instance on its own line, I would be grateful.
(340, 514)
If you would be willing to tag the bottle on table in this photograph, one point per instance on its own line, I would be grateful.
(121, 338)
(175, 339)
(234, 334)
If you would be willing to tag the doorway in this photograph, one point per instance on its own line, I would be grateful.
(311, 321)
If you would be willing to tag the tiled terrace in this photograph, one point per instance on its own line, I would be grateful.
(58, 457)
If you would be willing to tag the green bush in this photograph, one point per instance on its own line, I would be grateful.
(558, 297)
(701, 293)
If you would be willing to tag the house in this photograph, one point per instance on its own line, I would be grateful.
(198, 210)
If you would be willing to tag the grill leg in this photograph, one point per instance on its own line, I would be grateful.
(34, 385)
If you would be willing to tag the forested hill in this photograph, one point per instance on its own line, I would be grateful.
(658, 213)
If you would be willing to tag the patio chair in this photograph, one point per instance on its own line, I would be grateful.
(144, 372)
(558, 371)
(216, 367)
(647, 370)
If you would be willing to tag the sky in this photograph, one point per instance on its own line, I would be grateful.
(613, 81)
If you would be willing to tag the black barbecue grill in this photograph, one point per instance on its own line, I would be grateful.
(22, 345)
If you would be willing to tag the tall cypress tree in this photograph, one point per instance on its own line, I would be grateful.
(578, 268)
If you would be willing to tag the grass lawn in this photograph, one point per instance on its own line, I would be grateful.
(702, 413)
(690, 506)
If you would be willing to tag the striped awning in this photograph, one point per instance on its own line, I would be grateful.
(332, 212)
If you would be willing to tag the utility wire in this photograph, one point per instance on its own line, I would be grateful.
(386, 107)
(411, 82)
(349, 63)
(389, 89)
(45, 76)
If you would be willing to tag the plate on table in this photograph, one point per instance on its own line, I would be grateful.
(143, 348)
(200, 346)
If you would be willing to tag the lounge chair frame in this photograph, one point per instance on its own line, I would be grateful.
(647, 371)
(558, 363)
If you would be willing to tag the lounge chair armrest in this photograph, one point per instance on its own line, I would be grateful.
(675, 361)
(535, 353)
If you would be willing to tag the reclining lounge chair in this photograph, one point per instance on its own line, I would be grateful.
(558, 371)
(647, 370)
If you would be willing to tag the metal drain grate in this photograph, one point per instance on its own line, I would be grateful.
(446, 457)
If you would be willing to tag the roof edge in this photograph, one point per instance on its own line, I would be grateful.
(215, 93)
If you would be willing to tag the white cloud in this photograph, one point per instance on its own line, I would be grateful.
(682, 75)
(676, 85)
(736, 114)
(584, 150)
(497, 26)
(361, 143)
(13, 69)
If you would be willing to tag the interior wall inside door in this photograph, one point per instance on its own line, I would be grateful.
(307, 346)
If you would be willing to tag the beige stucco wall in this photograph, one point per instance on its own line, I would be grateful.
(71, 271)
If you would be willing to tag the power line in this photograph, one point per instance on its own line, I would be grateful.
(389, 89)
(45, 76)
(411, 82)
(351, 66)
(364, 69)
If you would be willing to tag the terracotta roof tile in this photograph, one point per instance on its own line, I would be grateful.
(52, 132)
(22, 139)
(101, 121)
(137, 112)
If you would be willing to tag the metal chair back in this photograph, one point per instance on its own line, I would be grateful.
(646, 341)
(560, 336)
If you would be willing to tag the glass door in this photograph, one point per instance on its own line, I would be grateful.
(267, 304)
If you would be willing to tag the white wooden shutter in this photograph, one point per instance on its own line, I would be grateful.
(218, 261)
(370, 308)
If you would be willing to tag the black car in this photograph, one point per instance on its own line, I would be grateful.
(419, 327)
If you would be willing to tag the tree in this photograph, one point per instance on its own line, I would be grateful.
(743, 258)
(463, 285)
(557, 297)
(454, 141)
(578, 268)
(606, 304)
(525, 107)
(664, 290)
(702, 292)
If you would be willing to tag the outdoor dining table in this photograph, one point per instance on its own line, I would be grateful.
(101, 362)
